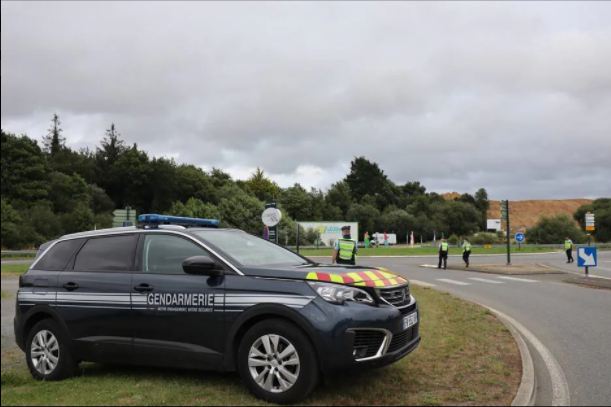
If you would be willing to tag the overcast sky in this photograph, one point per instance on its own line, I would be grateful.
(514, 97)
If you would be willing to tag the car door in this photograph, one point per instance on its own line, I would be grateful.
(94, 298)
(178, 317)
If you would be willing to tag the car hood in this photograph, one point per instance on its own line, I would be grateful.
(351, 275)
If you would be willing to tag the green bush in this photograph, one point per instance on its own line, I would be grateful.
(485, 238)
(555, 230)
(454, 240)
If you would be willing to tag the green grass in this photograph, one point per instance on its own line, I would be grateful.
(406, 251)
(464, 360)
(6, 296)
(18, 256)
(9, 270)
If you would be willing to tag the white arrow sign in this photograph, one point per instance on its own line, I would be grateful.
(588, 260)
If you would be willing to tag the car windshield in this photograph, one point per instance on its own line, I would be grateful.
(251, 251)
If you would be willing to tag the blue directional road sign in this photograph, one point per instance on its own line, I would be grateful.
(520, 238)
(587, 257)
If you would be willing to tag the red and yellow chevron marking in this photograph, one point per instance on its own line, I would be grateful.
(372, 278)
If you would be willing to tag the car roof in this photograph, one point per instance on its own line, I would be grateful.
(115, 231)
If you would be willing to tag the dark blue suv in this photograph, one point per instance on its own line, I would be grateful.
(209, 299)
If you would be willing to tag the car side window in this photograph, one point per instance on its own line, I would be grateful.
(163, 254)
(57, 258)
(111, 253)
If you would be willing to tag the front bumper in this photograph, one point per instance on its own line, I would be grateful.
(339, 334)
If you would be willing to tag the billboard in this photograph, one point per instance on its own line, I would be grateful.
(330, 232)
(495, 224)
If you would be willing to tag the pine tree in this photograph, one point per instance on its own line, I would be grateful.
(54, 142)
(112, 146)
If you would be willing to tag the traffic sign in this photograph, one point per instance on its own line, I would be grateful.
(590, 222)
(520, 238)
(587, 257)
(122, 216)
(271, 217)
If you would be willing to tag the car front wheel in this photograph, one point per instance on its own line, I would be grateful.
(48, 352)
(277, 362)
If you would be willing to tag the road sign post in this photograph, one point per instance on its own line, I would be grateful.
(520, 238)
(505, 215)
(587, 257)
(271, 219)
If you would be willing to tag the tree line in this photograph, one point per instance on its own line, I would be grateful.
(49, 190)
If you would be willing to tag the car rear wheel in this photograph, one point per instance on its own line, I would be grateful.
(48, 353)
(277, 362)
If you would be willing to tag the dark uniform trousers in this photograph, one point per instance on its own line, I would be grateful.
(443, 258)
(569, 255)
(465, 256)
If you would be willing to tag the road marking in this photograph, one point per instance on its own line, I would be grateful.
(429, 266)
(422, 284)
(443, 280)
(560, 387)
(522, 280)
(483, 280)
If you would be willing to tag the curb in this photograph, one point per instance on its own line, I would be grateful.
(527, 393)
(436, 257)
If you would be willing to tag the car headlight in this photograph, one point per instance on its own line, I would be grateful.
(339, 294)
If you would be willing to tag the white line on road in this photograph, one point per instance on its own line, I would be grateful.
(443, 280)
(560, 387)
(429, 266)
(483, 280)
(522, 280)
(422, 284)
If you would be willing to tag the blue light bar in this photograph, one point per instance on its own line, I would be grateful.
(152, 220)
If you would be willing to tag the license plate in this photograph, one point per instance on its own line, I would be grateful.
(409, 321)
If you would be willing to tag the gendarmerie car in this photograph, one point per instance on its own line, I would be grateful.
(181, 293)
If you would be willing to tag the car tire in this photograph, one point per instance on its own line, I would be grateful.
(301, 367)
(48, 353)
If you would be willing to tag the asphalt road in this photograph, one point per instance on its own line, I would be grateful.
(574, 323)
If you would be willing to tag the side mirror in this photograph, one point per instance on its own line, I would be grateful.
(201, 266)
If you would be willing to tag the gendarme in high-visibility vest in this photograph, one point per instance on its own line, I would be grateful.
(467, 247)
(568, 245)
(445, 247)
(347, 251)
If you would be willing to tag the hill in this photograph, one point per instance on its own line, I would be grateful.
(526, 214)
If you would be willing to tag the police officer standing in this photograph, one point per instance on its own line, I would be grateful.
(568, 246)
(466, 251)
(345, 249)
(444, 249)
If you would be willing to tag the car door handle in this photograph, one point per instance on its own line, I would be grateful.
(144, 288)
(71, 286)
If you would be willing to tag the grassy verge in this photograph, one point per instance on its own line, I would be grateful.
(18, 256)
(6, 296)
(12, 270)
(427, 251)
(467, 358)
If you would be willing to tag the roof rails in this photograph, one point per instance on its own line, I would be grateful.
(156, 221)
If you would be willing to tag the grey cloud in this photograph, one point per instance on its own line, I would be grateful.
(457, 95)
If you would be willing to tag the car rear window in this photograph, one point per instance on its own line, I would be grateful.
(58, 257)
(113, 253)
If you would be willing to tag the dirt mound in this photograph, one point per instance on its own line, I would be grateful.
(526, 214)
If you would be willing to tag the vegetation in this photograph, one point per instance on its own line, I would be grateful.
(467, 358)
(602, 209)
(555, 230)
(50, 191)
(14, 270)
